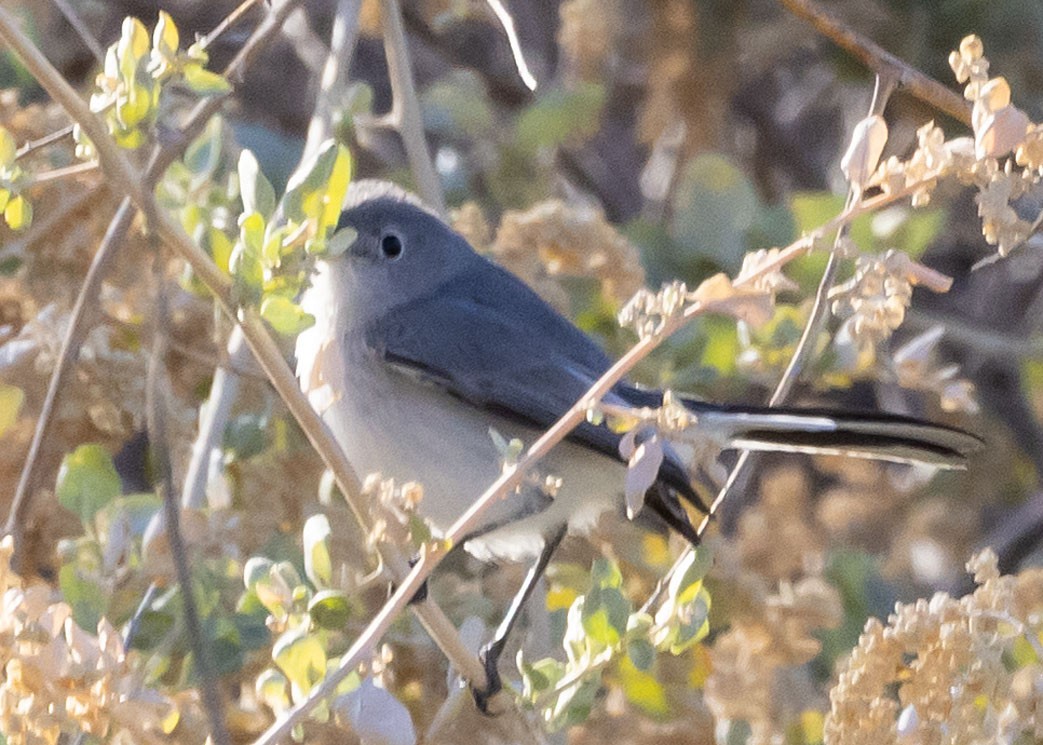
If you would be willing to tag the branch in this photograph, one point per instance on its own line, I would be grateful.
(405, 109)
(156, 406)
(879, 60)
(512, 38)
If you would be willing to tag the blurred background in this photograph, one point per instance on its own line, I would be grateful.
(665, 140)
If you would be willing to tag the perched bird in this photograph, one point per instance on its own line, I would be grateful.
(421, 346)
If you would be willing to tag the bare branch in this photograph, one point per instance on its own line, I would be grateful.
(879, 60)
(507, 22)
(406, 107)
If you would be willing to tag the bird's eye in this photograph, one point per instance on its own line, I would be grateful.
(391, 245)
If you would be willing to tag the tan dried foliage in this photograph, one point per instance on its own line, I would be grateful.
(948, 670)
(588, 35)
(61, 680)
(682, 84)
(553, 240)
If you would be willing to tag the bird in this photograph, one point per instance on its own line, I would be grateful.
(425, 356)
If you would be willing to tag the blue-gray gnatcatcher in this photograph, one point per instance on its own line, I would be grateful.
(421, 346)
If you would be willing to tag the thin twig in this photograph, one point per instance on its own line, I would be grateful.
(343, 39)
(59, 173)
(156, 406)
(227, 22)
(82, 311)
(504, 17)
(74, 19)
(213, 417)
(405, 109)
(878, 59)
(44, 141)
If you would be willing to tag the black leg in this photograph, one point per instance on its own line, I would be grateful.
(490, 653)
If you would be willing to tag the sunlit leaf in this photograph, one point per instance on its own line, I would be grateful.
(316, 539)
(330, 609)
(8, 148)
(165, 38)
(257, 192)
(18, 214)
(204, 82)
(273, 688)
(11, 400)
(87, 481)
(302, 658)
(642, 689)
(285, 316)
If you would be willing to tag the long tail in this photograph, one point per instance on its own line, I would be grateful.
(878, 436)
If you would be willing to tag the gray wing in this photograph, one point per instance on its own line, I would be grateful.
(489, 340)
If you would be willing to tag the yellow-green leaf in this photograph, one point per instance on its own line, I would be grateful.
(302, 658)
(87, 481)
(285, 316)
(203, 81)
(642, 689)
(18, 213)
(340, 177)
(165, 38)
(11, 400)
(316, 540)
(8, 148)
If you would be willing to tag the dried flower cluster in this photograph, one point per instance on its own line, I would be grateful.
(57, 678)
(1000, 129)
(588, 34)
(874, 301)
(947, 670)
(553, 240)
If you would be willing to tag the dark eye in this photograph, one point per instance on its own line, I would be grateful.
(391, 245)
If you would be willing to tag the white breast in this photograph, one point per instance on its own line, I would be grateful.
(389, 421)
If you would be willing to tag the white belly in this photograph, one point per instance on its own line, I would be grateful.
(389, 422)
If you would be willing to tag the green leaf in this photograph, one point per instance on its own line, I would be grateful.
(8, 148)
(458, 104)
(18, 214)
(642, 689)
(641, 653)
(257, 192)
(203, 155)
(561, 116)
(285, 316)
(302, 658)
(273, 689)
(246, 435)
(910, 231)
(540, 676)
(330, 609)
(88, 601)
(256, 569)
(303, 198)
(11, 400)
(204, 82)
(316, 538)
(87, 481)
(686, 582)
(714, 206)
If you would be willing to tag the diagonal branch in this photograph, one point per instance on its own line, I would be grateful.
(876, 58)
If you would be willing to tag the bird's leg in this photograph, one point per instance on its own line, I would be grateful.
(490, 653)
